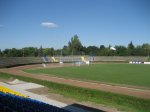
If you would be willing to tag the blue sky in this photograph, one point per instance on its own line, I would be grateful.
(52, 23)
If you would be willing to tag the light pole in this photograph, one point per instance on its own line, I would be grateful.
(23, 52)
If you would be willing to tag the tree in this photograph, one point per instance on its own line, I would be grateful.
(121, 50)
(12, 52)
(131, 49)
(102, 47)
(5, 53)
(57, 52)
(41, 51)
(29, 51)
(105, 52)
(130, 45)
(146, 48)
(92, 50)
(74, 45)
(139, 51)
(47, 52)
(83, 50)
(65, 51)
(1, 54)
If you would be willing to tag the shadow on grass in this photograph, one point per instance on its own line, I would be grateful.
(81, 108)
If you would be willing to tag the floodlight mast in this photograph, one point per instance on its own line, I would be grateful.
(23, 52)
(72, 55)
(148, 51)
(61, 52)
(61, 55)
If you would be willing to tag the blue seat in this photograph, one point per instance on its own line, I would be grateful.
(12, 103)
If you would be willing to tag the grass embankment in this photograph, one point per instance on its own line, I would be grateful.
(130, 74)
(122, 102)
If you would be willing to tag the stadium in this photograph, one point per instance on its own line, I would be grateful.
(77, 75)
(74, 55)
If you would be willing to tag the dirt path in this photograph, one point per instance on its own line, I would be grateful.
(109, 88)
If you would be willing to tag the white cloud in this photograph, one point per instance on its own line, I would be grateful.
(49, 25)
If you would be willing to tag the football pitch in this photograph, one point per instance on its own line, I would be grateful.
(130, 74)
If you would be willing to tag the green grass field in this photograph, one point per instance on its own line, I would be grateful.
(130, 74)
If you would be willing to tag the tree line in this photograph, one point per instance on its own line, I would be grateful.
(75, 47)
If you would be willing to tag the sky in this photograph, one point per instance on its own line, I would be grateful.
(52, 23)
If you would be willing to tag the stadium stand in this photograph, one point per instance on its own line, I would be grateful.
(14, 61)
(68, 59)
(12, 103)
(55, 59)
(119, 58)
(7, 90)
(102, 58)
(46, 59)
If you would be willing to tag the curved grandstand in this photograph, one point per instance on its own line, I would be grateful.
(16, 61)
